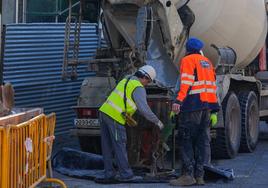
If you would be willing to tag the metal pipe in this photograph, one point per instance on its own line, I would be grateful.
(70, 9)
(57, 7)
(67, 9)
(17, 12)
(24, 11)
(2, 35)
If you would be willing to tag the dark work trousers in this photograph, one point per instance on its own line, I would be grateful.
(192, 136)
(113, 141)
(207, 158)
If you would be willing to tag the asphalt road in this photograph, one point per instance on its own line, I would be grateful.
(251, 170)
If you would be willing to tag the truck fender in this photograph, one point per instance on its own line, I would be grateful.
(224, 83)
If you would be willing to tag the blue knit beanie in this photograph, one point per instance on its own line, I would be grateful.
(194, 44)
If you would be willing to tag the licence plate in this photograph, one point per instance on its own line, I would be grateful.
(86, 123)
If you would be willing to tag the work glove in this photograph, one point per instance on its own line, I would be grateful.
(213, 119)
(160, 125)
(172, 117)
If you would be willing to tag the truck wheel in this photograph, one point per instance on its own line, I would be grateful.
(90, 144)
(227, 142)
(250, 121)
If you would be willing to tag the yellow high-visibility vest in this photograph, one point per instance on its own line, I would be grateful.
(114, 106)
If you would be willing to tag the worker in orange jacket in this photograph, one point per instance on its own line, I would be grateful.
(195, 100)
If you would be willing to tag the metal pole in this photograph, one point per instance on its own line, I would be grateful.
(70, 8)
(57, 10)
(3, 34)
(17, 12)
(24, 15)
(67, 9)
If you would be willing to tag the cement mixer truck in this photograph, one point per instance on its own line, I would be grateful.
(154, 32)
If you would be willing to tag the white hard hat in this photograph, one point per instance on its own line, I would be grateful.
(148, 71)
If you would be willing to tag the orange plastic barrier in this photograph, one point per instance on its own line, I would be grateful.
(3, 157)
(24, 152)
(51, 122)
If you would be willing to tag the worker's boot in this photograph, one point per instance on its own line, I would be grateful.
(200, 181)
(184, 180)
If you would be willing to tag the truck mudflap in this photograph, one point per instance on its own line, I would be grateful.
(90, 166)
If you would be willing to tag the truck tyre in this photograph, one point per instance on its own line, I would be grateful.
(227, 142)
(90, 144)
(250, 121)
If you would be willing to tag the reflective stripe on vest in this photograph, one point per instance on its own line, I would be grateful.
(198, 83)
(203, 90)
(114, 106)
(204, 82)
(187, 82)
(185, 75)
(121, 94)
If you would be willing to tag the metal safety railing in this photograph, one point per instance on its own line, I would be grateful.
(25, 148)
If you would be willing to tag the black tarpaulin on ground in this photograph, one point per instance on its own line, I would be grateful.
(213, 172)
(79, 164)
(84, 165)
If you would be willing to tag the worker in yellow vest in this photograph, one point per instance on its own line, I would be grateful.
(128, 96)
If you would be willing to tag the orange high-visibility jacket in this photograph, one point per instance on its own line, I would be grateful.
(197, 84)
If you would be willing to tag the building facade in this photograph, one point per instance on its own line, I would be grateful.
(34, 11)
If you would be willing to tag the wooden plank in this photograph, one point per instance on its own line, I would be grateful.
(22, 115)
